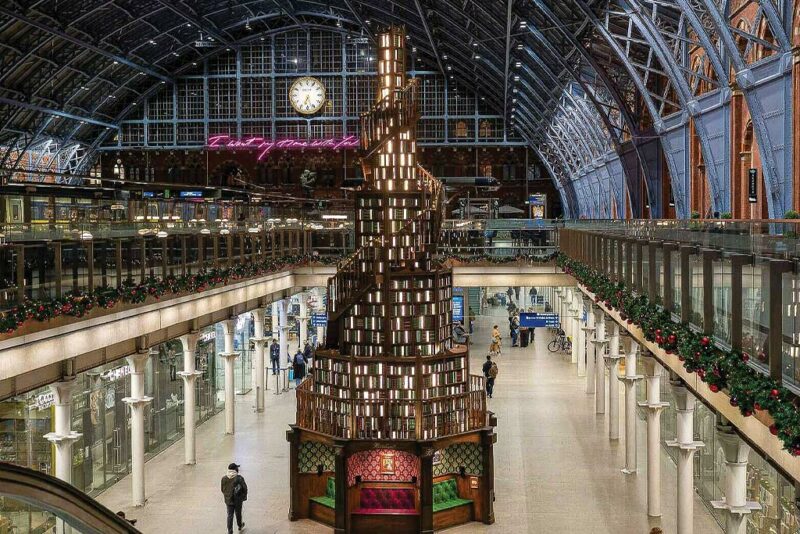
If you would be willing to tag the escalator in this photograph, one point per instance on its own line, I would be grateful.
(53, 497)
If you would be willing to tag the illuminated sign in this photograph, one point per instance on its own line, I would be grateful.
(190, 194)
(265, 146)
(43, 401)
(112, 375)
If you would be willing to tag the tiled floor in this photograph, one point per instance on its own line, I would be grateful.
(555, 469)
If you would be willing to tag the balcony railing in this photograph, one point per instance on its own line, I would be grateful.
(735, 281)
(394, 419)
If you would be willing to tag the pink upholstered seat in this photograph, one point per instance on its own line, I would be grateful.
(386, 501)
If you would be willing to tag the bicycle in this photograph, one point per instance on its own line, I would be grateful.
(560, 343)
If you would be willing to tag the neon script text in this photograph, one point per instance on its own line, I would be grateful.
(265, 146)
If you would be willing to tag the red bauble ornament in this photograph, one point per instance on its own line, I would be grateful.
(745, 357)
(747, 413)
(705, 341)
(672, 338)
(659, 340)
(774, 393)
(757, 406)
(681, 358)
(701, 373)
(714, 388)
(658, 331)
(773, 429)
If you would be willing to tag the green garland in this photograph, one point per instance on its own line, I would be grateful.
(500, 260)
(78, 304)
(749, 390)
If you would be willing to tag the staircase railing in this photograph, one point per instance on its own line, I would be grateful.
(359, 272)
(387, 117)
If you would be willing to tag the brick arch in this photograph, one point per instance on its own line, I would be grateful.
(700, 188)
(764, 33)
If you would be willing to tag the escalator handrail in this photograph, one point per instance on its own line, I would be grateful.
(64, 500)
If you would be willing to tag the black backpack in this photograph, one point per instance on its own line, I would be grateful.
(239, 493)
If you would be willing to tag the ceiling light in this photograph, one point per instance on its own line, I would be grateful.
(330, 217)
(520, 46)
(518, 64)
(516, 77)
(444, 56)
(152, 42)
(523, 25)
(475, 44)
(477, 56)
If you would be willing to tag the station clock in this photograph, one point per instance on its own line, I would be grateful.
(307, 95)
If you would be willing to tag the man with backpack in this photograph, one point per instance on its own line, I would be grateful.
(234, 491)
(490, 371)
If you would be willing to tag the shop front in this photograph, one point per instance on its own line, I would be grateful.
(101, 456)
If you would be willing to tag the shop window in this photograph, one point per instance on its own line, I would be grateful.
(461, 129)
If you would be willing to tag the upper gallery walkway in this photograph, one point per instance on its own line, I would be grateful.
(91, 300)
(715, 302)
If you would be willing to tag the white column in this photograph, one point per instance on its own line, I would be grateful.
(734, 500)
(653, 407)
(612, 361)
(589, 331)
(189, 375)
(229, 356)
(630, 380)
(686, 445)
(303, 320)
(321, 309)
(575, 325)
(259, 342)
(283, 326)
(63, 436)
(137, 402)
(275, 319)
(600, 343)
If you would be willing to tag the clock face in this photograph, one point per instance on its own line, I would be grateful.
(307, 95)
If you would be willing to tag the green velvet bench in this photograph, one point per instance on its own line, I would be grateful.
(448, 508)
(323, 508)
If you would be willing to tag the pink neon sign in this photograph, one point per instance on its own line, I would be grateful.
(265, 146)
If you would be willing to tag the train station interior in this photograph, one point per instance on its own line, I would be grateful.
(409, 266)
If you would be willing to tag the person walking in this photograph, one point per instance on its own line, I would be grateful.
(494, 348)
(308, 352)
(234, 491)
(515, 331)
(490, 371)
(298, 366)
(275, 356)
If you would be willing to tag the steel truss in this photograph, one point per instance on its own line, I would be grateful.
(601, 90)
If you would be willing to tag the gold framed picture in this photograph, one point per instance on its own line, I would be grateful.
(387, 463)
